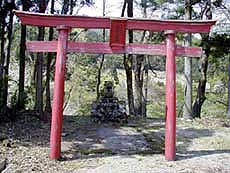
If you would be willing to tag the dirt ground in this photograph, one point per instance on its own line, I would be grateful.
(203, 146)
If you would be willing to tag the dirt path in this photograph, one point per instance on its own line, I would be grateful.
(202, 146)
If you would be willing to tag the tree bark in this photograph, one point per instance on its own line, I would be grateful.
(140, 107)
(200, 98)
(102, 61)
(71, 7)
(99, 77)
(128, 64)
(139, 85)
(21, 95)
(123, 8)
(6, 73)
(2, 60)
(50, 56)
(39, 66)
(21, 85)
(228, 101)
(187, 110)
(65, 7)
(146, 80)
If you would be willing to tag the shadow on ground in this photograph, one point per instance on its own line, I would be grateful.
(199, 153)
(83, 138)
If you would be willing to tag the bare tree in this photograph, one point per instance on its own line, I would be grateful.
(128, 59)
(39, 65)
(48, 66)
(102, 61)
(140, 70)
(187, 111)
(200, 97)
(21, 85)
(6, 24)
(3, 53)
(139, 84)
(65, 7)
(228, 99)
(7, 63)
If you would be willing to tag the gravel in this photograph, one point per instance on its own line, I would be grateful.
(103, 148)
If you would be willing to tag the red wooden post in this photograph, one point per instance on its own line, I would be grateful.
(170, 129)
(57, 109)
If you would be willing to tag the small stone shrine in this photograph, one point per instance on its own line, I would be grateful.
(108, 107)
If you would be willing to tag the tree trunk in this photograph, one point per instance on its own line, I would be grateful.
(102, 61)
(6, 73)
(65, 7)
(39, 66)
(128, 60)
(21, 85)
(2, 60)
(71, 7)
(187, 110)
(139, 85)
(200, 98)
(99, 77)
(140, 107)
(145, 87)
(50, 56)
(228, 101)
(129, 78)
(21, 95)
(48, 70)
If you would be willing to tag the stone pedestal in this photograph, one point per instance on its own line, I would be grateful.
(108, 107)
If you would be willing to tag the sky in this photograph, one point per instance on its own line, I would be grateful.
(113, 8)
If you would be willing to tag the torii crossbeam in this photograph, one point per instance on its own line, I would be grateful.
(117, 45)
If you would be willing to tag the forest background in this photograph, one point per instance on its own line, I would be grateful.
(26, 79)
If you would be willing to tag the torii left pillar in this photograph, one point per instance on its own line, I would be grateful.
(58, 98)
(170, 124)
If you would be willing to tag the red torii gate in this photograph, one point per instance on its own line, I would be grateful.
(117, 45)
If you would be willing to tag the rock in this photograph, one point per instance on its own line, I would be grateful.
(219, 87)
(64, 134)
(6, 143)
(226, 125)
(208, 87)
(2, 137)
(2, 164)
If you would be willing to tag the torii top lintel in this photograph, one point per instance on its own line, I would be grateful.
(50, 20)
(118, 28)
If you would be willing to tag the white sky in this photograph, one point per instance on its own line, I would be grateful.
(113, 8)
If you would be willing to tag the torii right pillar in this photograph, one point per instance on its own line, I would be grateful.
(170, 124)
